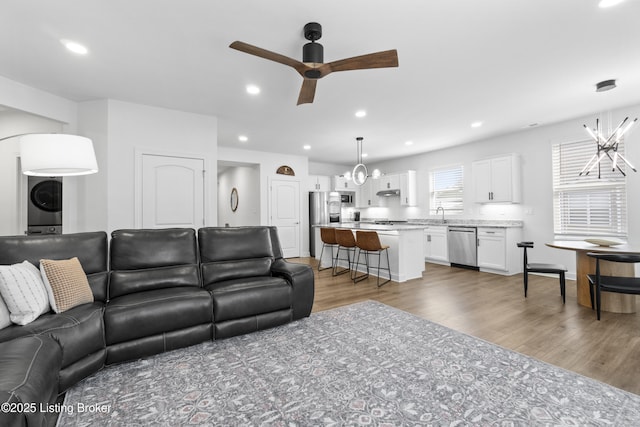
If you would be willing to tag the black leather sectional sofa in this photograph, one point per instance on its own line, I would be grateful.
(154, 291)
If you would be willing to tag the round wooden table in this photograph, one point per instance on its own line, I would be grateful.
(612, 302)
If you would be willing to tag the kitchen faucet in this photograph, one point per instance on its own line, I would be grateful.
(438, 210)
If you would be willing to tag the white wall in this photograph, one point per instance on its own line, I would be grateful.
(151, 129)
(317, 168)
(93, 122)
(246, 180)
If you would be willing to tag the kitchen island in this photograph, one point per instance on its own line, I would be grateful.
(406, 248)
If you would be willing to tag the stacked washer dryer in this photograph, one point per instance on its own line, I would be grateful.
(44, 205)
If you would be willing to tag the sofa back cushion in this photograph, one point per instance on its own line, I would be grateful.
(235, 252)
(145, 259)
(91, 249)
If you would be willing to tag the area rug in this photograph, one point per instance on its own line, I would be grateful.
(363, 364)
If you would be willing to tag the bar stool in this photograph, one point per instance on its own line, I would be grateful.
(369, 242)
(328, 237)
(346, 242)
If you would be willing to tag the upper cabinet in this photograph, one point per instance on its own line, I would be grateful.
(408, 190)
(389, 182)
(366, 195)
(319, 183)
(405, 182)
(340, 183)
(497, 180)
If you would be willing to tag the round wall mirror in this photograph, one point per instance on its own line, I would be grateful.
(234, 199)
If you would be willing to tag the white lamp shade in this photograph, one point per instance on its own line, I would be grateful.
(57, 155)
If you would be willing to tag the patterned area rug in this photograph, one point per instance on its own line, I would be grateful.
(363, 364)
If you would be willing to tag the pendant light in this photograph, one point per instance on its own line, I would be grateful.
(607, 147)
(360, 173)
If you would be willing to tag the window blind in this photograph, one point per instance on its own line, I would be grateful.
(585, 205)
(447, 187)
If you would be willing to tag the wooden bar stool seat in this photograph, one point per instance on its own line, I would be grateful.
(346, 243)
(369, 243)
(328, 237)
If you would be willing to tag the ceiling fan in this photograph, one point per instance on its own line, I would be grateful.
(312, 66)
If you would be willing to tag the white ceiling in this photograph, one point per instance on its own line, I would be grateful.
(507, 63)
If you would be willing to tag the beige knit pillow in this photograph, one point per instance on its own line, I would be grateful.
(66, 283)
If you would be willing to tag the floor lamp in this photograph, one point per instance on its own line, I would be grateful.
(55, 154)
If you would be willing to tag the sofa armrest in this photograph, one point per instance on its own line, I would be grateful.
(302, 281)
(29, 368)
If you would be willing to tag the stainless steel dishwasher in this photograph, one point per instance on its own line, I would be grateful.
(463, 246)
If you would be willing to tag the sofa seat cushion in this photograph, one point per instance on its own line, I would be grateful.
(154, 312)
(79, 331)
(249, 296)
(29, 369)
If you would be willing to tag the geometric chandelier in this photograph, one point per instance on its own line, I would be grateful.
(608, 147)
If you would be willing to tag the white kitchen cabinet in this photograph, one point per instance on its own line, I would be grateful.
(497, 180)
(436, 248)
(389, 182)
(408, 189)
(497, 250)
(319, 183)
(366, 194)
(492, 250)
(340, 183)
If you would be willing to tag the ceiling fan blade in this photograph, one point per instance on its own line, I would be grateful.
(271, 56)
(308, 91)
(384, 59)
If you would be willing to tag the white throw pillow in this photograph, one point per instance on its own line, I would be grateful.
(24, 293)
(5, 320)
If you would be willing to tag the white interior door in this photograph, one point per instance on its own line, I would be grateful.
(172, 191)
(285, 215)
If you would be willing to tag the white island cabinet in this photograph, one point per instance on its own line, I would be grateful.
(406, 251)
(436, 248)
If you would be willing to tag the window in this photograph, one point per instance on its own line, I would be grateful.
(587, 205)
(446, 187)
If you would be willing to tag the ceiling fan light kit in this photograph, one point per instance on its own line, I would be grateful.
(312, 68)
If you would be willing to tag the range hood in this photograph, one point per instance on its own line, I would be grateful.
(388, 193)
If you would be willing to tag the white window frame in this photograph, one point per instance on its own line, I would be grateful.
(446, 189)
(585, 205)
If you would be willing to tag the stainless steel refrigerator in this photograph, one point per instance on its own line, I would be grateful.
(318, 214)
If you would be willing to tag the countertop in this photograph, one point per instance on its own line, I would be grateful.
(417, 224)
(508, 223)
(373, 226)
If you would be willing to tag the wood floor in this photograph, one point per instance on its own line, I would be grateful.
(493, 307)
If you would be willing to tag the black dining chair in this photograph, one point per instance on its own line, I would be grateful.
(541, 268)
(618, 284)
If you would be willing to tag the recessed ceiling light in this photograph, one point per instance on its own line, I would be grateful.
(253, 89)
(306, 147)
(243, 138)
(365, 155)
(361, 113)
(408, 143)
(75, 47)
(608, 3)
(476, 124)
